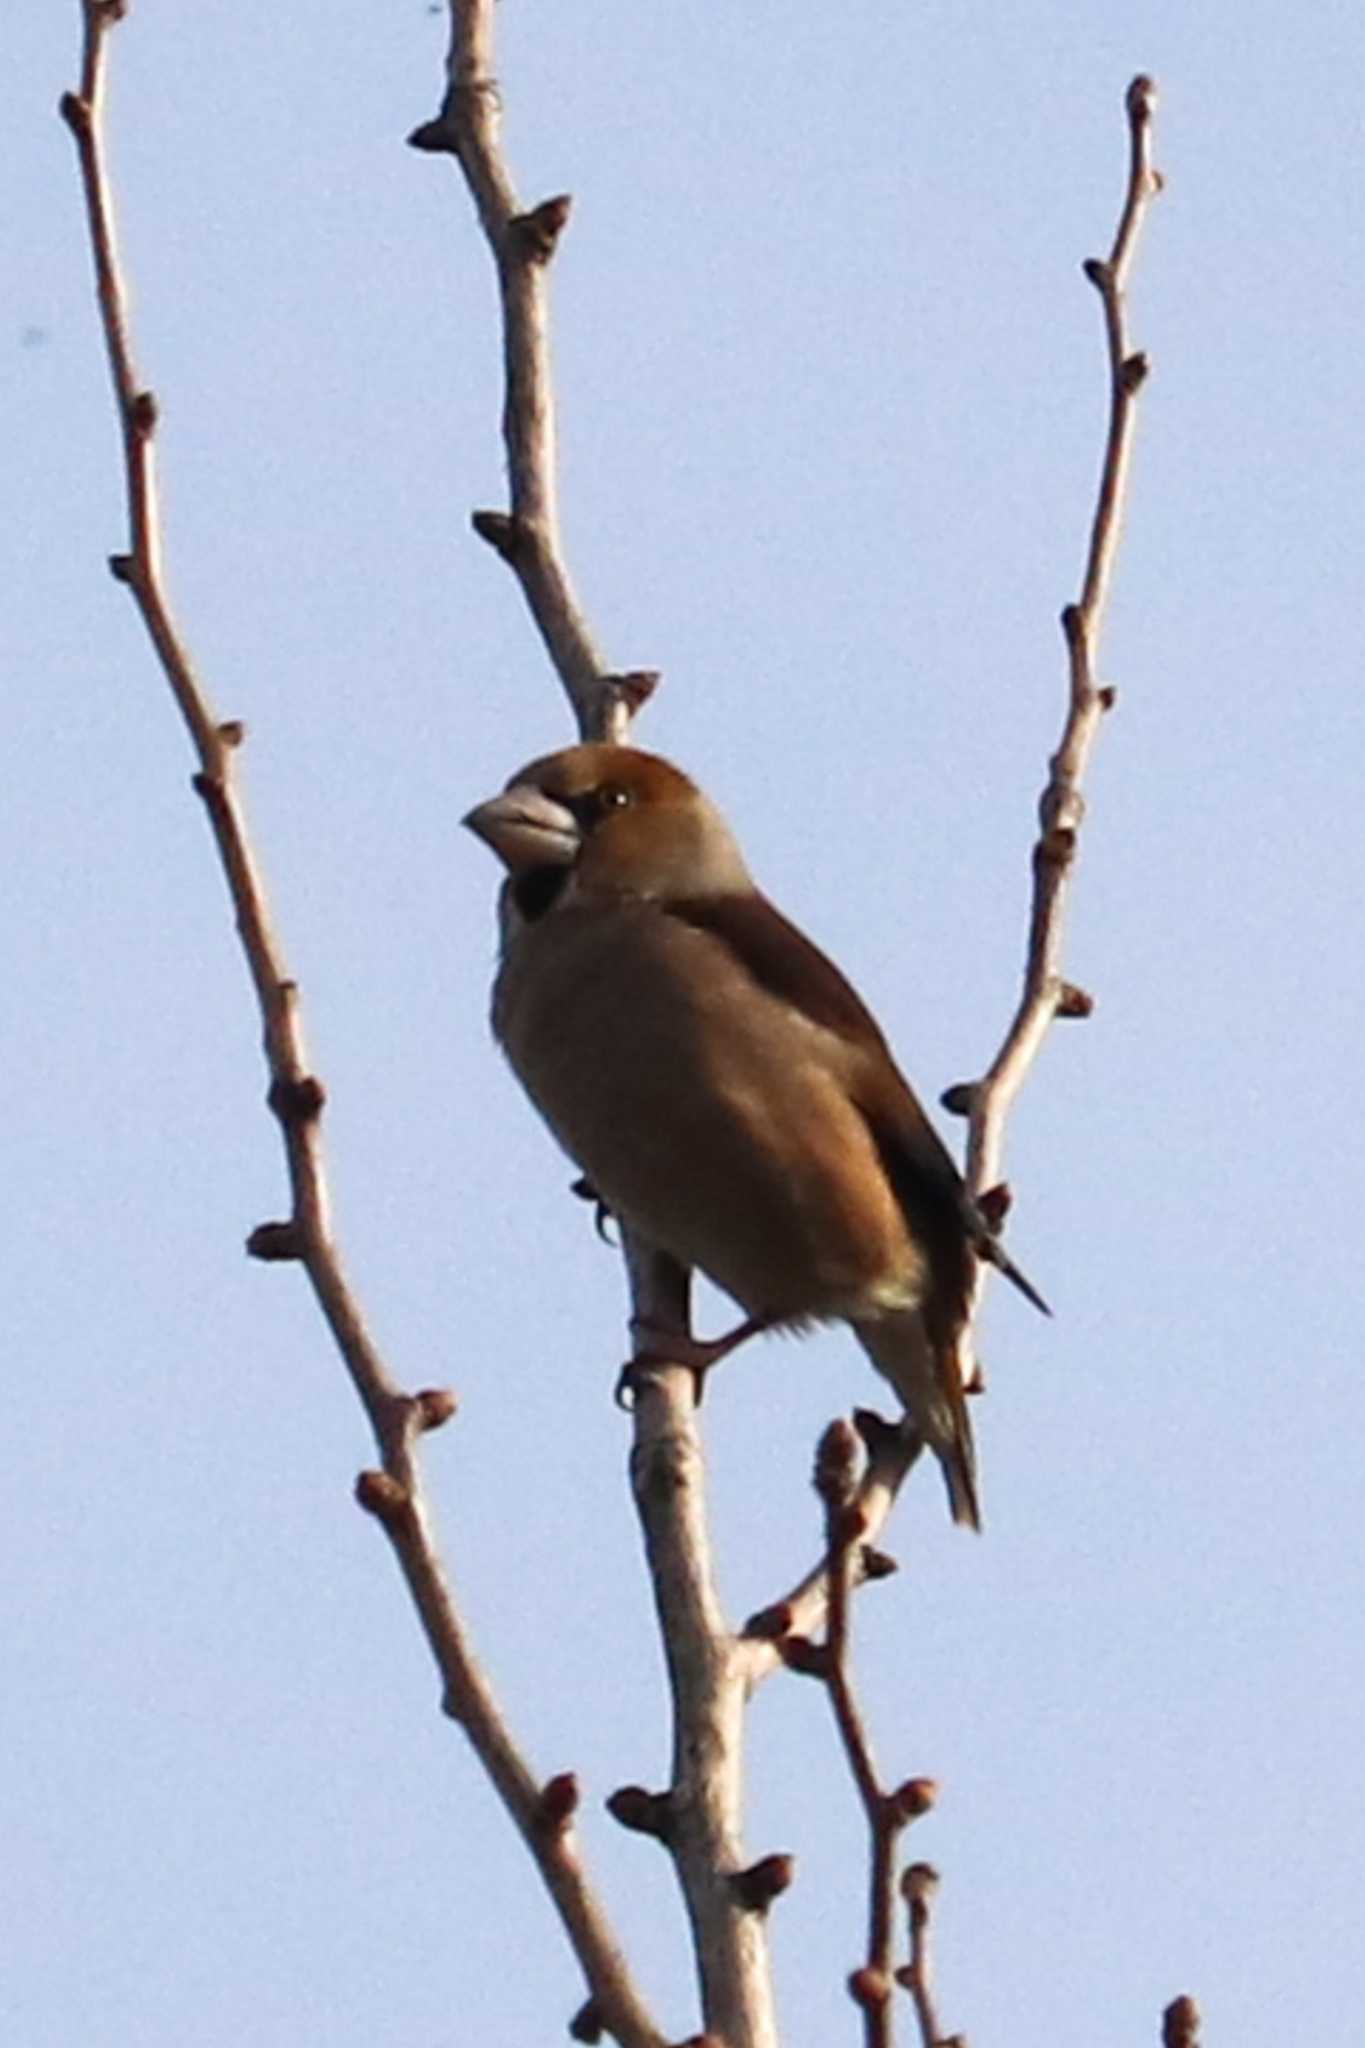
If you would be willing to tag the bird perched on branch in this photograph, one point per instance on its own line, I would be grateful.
(724, 1090)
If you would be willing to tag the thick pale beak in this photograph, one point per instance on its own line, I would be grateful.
(527, 829)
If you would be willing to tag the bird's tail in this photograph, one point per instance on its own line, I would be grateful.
(993, 1252)
(929, 1383)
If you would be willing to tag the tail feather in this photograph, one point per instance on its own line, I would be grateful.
(993, 1252)
(958, 1465)
(929, 1382)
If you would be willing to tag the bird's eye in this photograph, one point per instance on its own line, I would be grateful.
(592, 807)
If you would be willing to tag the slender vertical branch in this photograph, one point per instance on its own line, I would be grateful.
(726, 1901)
(1046, 995)
(706, 1671)
(887, 1812)
(522, 244)
(918, 1888)
(394, 1493)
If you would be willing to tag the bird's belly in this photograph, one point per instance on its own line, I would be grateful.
(722, 1130)
(793, 1235)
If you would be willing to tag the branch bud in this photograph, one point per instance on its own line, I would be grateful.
(919, 1882)
(75, 112)
(762, 1882)
(869, 1988)
(1134, 371)
(536, 233)
(557, 1804)
(435, 1406)
(1180, 2023)
(275, 1242)
(836, 1464)
(912, 1800)
(800, 1654)
(960, 1099)
(434, 138)
(381, 1495)
(1074, 1002)
(995, 1204)
(1140, 100)
(501, 533)
(143, 413)
(877, 1564)
(633, 687)
(587, 2023)
(644, 1813)
(297, 1101)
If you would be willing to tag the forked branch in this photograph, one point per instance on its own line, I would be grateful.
(712, 1671)
(394, 1493)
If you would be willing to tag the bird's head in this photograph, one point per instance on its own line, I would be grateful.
(599, 821)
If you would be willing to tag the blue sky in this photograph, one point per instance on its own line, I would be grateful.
(832, 393)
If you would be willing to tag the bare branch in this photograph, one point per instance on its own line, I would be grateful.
(1061, 808)
(919, 1885)
(393, 1494)
(522, 244)
(699, 1817)
(802, 1613)
(872, 1984)
(707, 1680)
(888, 1813)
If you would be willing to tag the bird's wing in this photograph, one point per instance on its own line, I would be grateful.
(784, 962)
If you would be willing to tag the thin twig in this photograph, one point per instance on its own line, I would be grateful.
(522, 244)
(1046, 995)
(919, 1885)
(891, 1455)
(835, 1478)
(887, 1813)
(394, 1494)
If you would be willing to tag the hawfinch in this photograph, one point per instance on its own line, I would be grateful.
(725, 1092)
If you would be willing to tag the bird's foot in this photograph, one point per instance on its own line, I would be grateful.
(656, 1346)
(602, 1215)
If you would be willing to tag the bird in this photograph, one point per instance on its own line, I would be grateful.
(724, 1091)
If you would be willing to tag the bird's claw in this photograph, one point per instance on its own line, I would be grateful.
(602, 1215)
(657, 1346)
